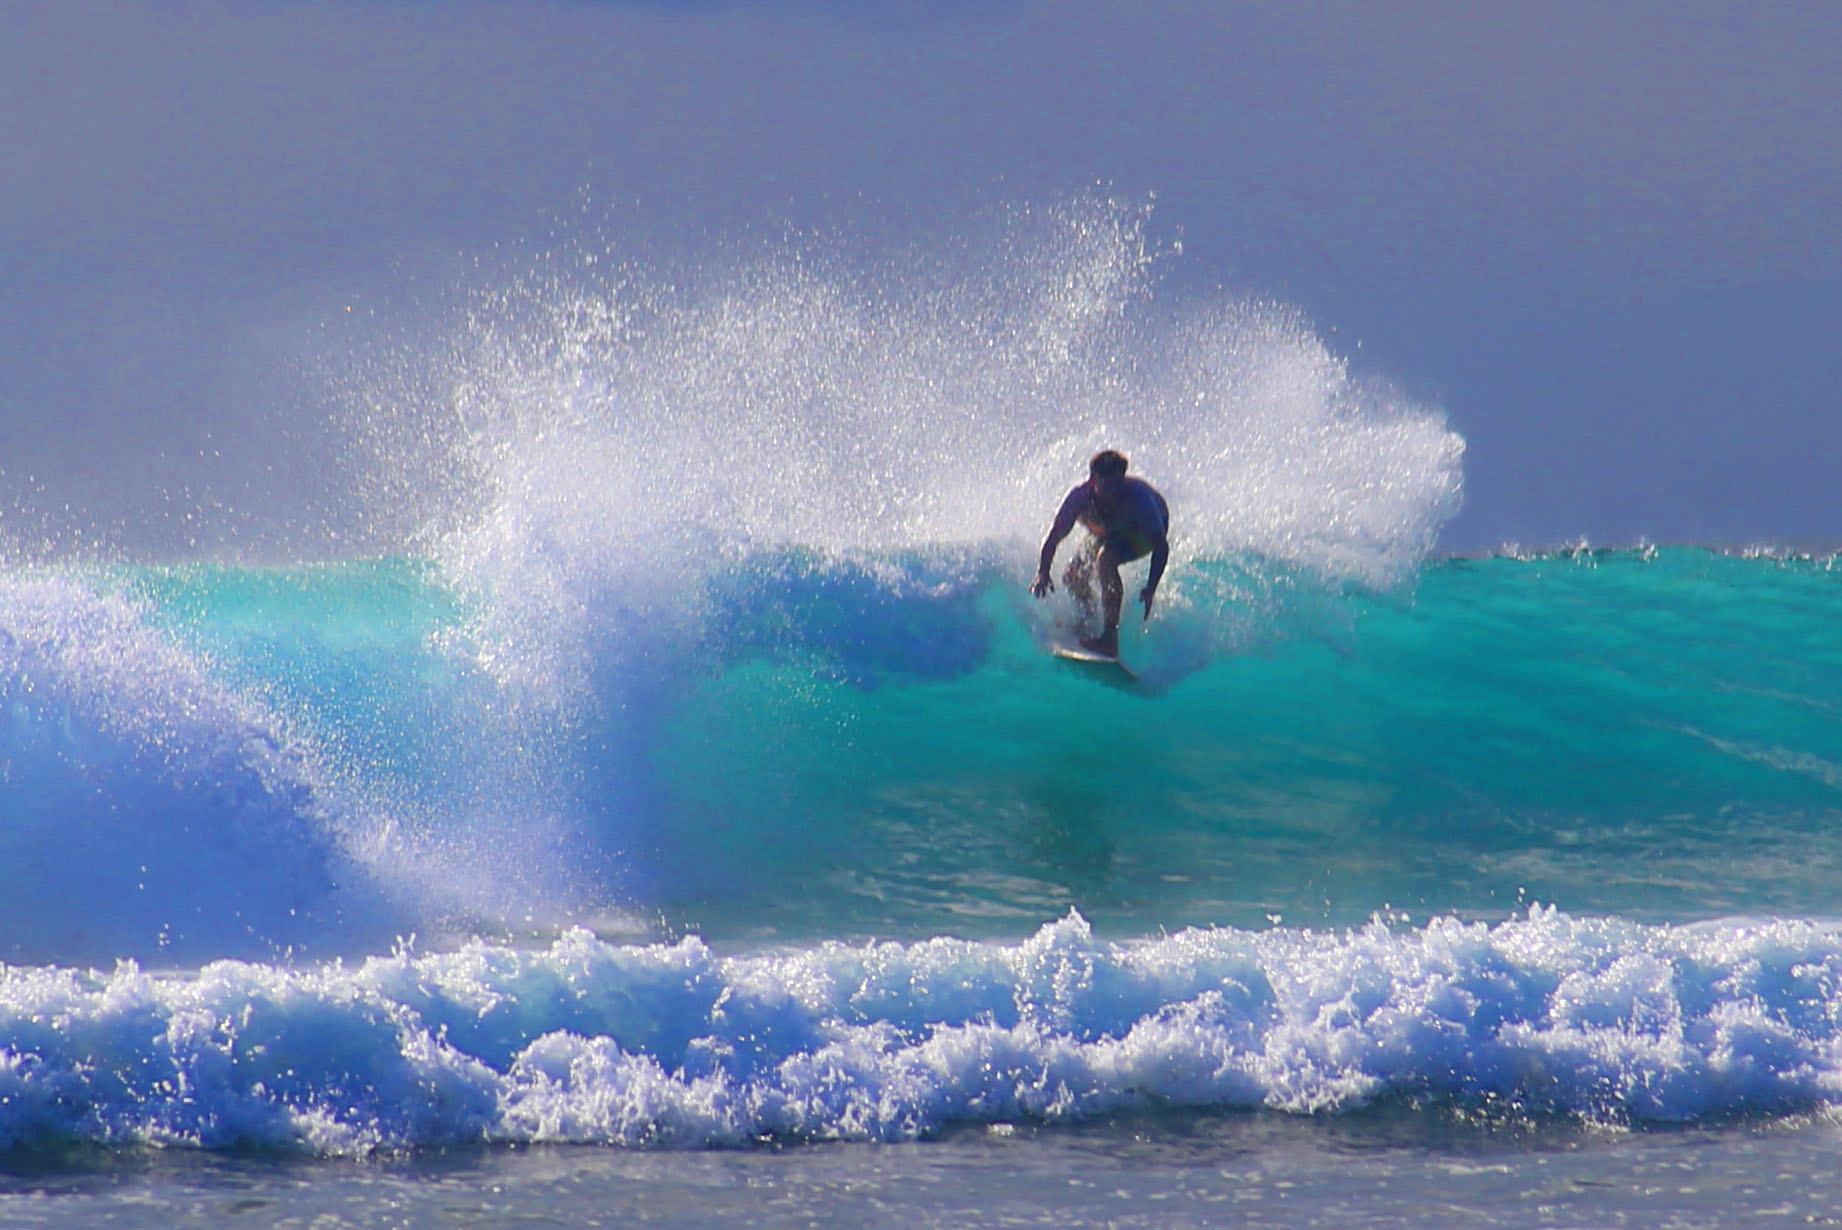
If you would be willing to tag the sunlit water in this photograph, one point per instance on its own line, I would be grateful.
(691, 824)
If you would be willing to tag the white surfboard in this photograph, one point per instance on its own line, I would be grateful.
(1074, 651)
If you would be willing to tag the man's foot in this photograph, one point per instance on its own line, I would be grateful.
(1106, 644)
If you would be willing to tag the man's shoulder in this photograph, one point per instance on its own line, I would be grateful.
(1145, 491)
(1155, 508)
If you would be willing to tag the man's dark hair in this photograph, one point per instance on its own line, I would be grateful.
(1107, 464)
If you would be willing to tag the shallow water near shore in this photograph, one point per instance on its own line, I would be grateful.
(1377, 1168)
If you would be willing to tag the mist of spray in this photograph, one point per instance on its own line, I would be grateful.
(600, 435)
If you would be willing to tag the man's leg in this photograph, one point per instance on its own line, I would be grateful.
(1079, 578)
(1112, 596)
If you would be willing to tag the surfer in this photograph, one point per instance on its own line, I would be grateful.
(1128, 520)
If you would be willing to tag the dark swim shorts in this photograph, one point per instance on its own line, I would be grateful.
(1128, 545)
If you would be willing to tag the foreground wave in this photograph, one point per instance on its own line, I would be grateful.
(678, 1046)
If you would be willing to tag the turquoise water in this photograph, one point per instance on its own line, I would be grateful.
(843, 751)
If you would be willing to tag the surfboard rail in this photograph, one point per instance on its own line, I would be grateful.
(1076, 652)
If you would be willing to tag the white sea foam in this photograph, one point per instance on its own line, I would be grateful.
(675, 1045)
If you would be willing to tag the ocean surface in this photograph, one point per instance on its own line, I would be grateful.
(686, 823)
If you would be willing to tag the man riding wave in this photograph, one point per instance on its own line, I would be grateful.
(1128, 520)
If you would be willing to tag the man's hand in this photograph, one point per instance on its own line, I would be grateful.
(1145, 596)
(1042, 586)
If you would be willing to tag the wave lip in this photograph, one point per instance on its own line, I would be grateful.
(145, 807)
(675, 1046)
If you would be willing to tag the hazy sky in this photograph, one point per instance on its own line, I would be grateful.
(1605, 237)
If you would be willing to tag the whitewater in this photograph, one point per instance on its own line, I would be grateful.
(690, 777)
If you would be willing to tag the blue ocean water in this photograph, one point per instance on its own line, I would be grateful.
(1556, 834)
(697, 787)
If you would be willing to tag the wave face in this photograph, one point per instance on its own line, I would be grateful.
(212, 761)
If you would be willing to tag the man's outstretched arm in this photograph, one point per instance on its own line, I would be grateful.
(1160, 556)
(1064, 522)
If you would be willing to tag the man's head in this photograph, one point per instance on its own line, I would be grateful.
(1107, 465)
